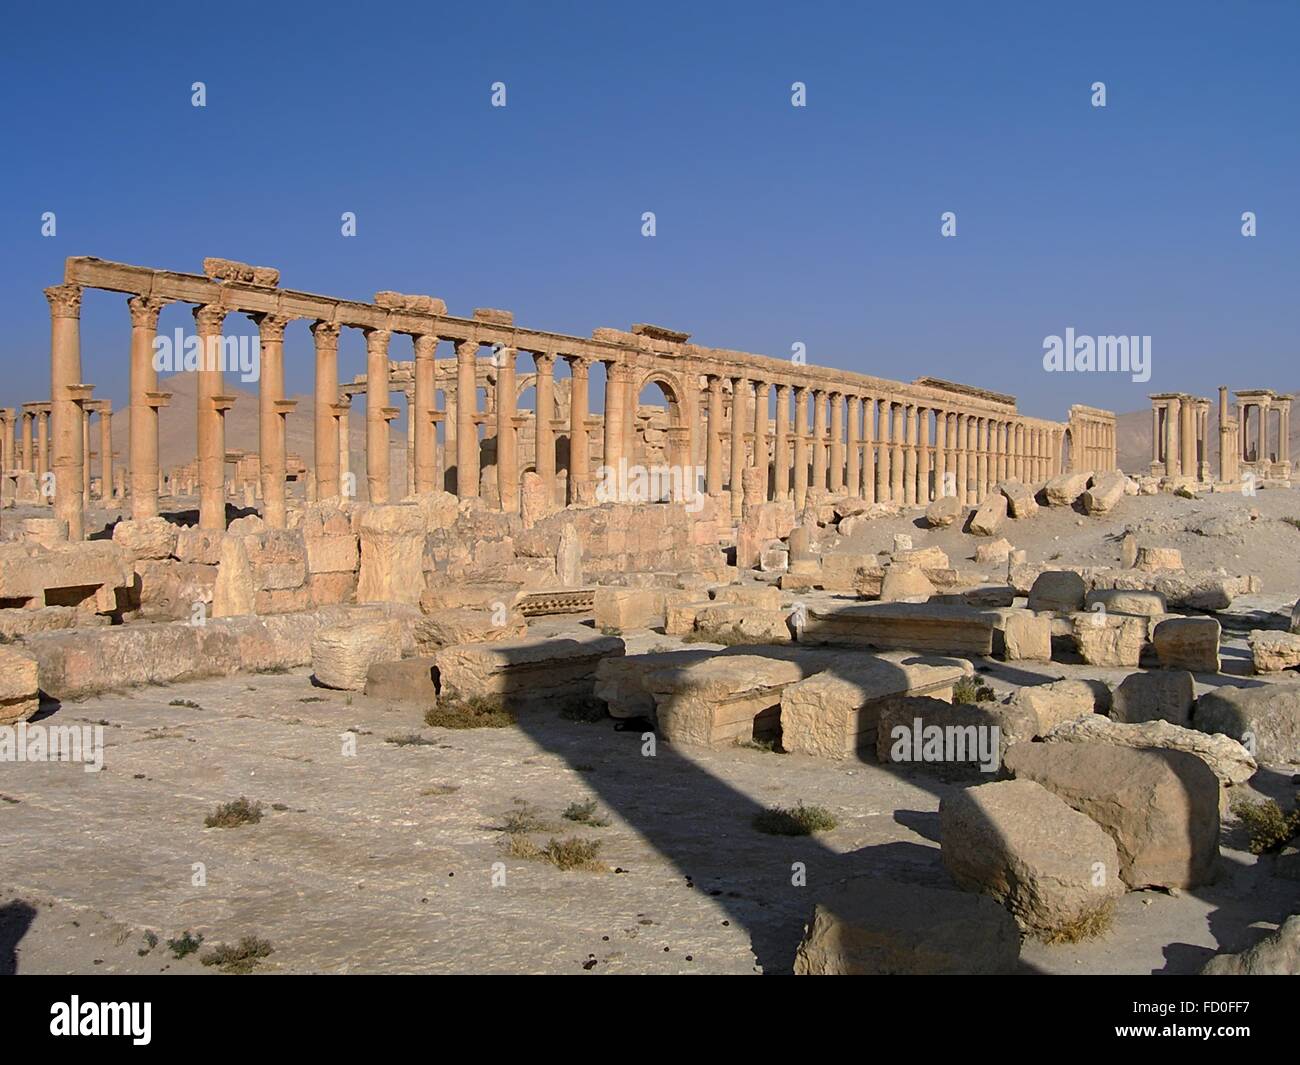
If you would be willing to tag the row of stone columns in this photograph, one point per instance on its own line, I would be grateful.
(876, 448)
(20, 448)
(1260, 441)
(1180, 433)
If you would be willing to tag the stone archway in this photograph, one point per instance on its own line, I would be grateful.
(674, 449)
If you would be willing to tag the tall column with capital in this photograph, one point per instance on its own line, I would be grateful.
(897, 460)
(426, 430)
(940, 451)
(781, 445)
(924, 459)
(884, 452)
(466, 412)
(909, 454)
(854, 432)
(868, 449)
(344, 432)
(28, 464)
(507, 443)
(759, 459)
(1172, 450)
(580, 368)
(836, 400)
(106, 455)
(142, 410)
(800, 446)
(212, 406)
(65, 410)
(615, 400)
(544, 428)
(377, 393)
(326, 431)
(42, 447)
(85, 456)
(272, 409)
(713, 448)
(739, 395)
(819, 463)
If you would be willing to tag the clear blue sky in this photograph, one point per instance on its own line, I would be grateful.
(775, 224)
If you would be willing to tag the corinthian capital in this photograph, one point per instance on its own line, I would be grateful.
(209, 317)
(144, 311)
(377, 341)
(326, 334)
(271, 326)
(65, 300)
(425, 345)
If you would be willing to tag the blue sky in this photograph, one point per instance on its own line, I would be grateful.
(776, 224)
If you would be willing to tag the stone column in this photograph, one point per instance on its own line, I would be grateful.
(326, 428)
(972, 459)
(272, 409)
(344, 431)
(940, 451)
(579, 471)
(739, 388)
(615, 396)
(909, 454)
(378, 479)
(1284, 430)
(544, 428)
(836, 400)
(1225, 441)
(1172, 450)
(142, 410)
(65, 412)
(425, 406)
(42, 447)
(85, 454)
(800, 447)
(466, 411)
(896, 459)
(1155, 432)
(925, 459)
(819, 456)
(781, 447)
(29, 459)
(106, 455)
(507, 444)
(760, 455)
(1187, 437)
(855, 447)
(212, 407)
(868, 449)
(713, 447)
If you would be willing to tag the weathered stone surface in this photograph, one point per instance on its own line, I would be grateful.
(721, 699)
(1295, 617)
(1111, 640)
(1266, 719)
(1058, 702)
(392, 554)
(1123, 601)
(1057, 590)
(994, 553)
(874, 926)
(761, 596)
(1063, 489)
(1161, 807)
(19, 687)
(1158, 558)
(619, 679)
(1227, 758)
(24, 622)
(568, 558)
(943, 512)
(1274, 651)
(526, 674)
(1019, 844)
(1188, 643)
(620, 609)
(1020, 499)
(199, 545)
(88, 575)
(1107, 490)
(235, 591)
(729, 623)
(342, 655)
(990, 516)
(905, 583)
(148, 538)
(1276, 954)
(1026, 636)
(940, 628)
(486, 596)
(446, 628)
(834, 714)
(1162, 695)
(407, 681)
(979, 734)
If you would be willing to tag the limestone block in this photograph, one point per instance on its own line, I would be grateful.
(392, 554)
(407, 681)
(1274, 651)
(152, 538)
(19, 687)
(329, 589)
(620, 679)
(939, 628)
(169, 590)
(725, 698)
(199, 545)
(1158, 558)
(1106, 491)
(1026, 637)
(235, 591)
(1162, 695)
(621, 609)
(1227, 758)
(47, 532)
(905, 583)
(1056, 703)
(1020, 499)
(1109, 639)
(333, 554)
(278, 558)
(447, 628)
(732, 622)
(990, 516)
(1019, 844)
(1063, 489)
(872, 926)
(912, 731)
(1123, 601)
(1161, 807)
(1188, 643)
(1061, 590)
(341, 655)
(527, 673)
(943, 512)
(1265, 719)
(763, 597)
(568, 558)
(994, 553)
(1276, 954)
(24, 622)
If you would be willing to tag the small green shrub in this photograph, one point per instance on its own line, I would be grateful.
(475, 712)
(584, 813)
(233, 814)
(971, 690)
(184, 945)
(239, 959)
(799, 820)
(1269, 827)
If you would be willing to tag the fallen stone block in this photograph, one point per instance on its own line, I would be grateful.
(721, 700)
(1276, 954)
(1026, 636)
(1020, 499)
(872, 926)
(25, 622)
(1274, 651)
(731, 623)
(447, 628)
(485, 596)
(950, 739)
(1106, 491)
(620, 609)
(407, 681)
(994, 553)
(19, 687)
(761, 596)
(1110, 640)
(235, 590)
(943, 512)
(1014, 841)
(990, 516)
(1065, 488)
(1058, 702)
(620, 679)
(1161, 807)
(1162, 695)
(88, 575)
(1123, 601)
(147, 538)
(342, 655)
(905, 583)
(940, 628)
(392, 554)
(834, 714)
(1158, 558)
(528, 674)
(1061, 590)
(1227, 758)
(1265, 719)
(1188, 643)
